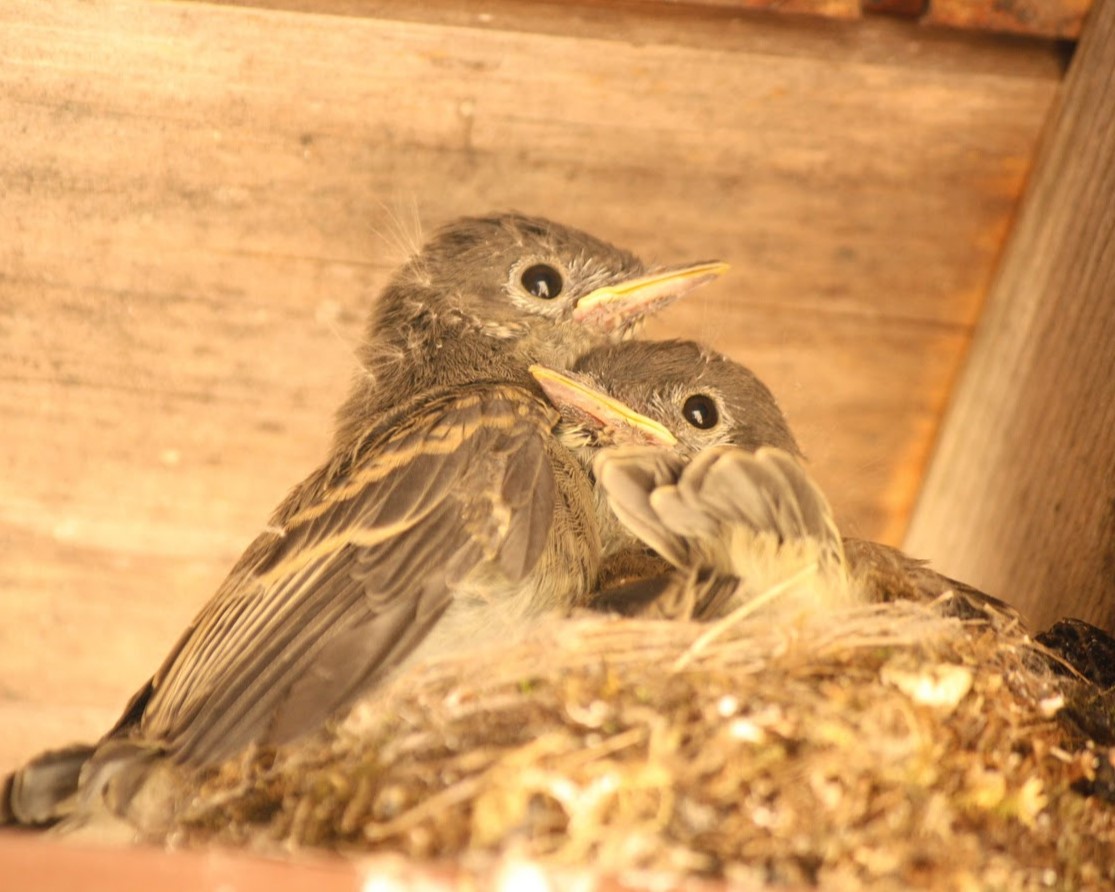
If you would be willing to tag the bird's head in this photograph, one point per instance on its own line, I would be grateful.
(674, 394)
(545, 291)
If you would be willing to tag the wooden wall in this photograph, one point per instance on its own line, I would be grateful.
(201, 201)
(1020, 497)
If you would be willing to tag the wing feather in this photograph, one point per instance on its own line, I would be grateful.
(367, 560)
(675, 508)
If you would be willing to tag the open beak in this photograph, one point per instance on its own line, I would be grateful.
(624, 303)
(626, 425)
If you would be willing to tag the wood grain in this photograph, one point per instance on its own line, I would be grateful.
(1031, 18)
(837, 9)
(200, 203)
(1052, 18)
(1020, 498)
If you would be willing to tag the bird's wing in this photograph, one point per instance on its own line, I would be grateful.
(676, 507)
(729, 514)
(884, 574)
(767, 494)
(629, 475)
(364, 565)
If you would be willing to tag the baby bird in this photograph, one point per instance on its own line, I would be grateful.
(728, 510)
(446, 511)
(728, 504)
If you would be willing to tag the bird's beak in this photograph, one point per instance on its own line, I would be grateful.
(624, 303)
(610, 414)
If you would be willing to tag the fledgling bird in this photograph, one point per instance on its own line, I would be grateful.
(446, 511)
(644, 391)
(709, 505)
(729, 521)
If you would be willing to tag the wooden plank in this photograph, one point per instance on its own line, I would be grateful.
(1049, 18)
(200, 202)
(56, 865)
(1032, 18)
(835, 9)
(1020, 498)
(42, 863)
(710, 27)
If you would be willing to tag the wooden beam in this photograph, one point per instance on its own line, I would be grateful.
(1032, 18)
(1020, 498)
(1051, 18)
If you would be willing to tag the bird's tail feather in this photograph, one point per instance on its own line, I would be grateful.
(42, 791)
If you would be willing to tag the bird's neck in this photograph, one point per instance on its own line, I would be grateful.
(411, 348)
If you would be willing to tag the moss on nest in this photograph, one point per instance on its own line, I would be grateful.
(890, 744)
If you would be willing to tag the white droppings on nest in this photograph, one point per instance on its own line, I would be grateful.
(942, 686)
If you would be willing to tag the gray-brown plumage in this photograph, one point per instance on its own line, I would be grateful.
(738, 526)
(709, 406)
(459, 500)
(458, 515)
(701, 396)
(446, 512)
(729, 508)
(488, 296)
(636, 392)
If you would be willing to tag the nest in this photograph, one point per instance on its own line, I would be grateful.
(889, 744)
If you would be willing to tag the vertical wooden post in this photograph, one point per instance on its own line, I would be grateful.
(1020, 496)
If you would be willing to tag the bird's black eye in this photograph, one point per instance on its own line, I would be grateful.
(542, 281)
(700, 411)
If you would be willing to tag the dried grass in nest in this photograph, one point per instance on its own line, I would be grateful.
(884, 744)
